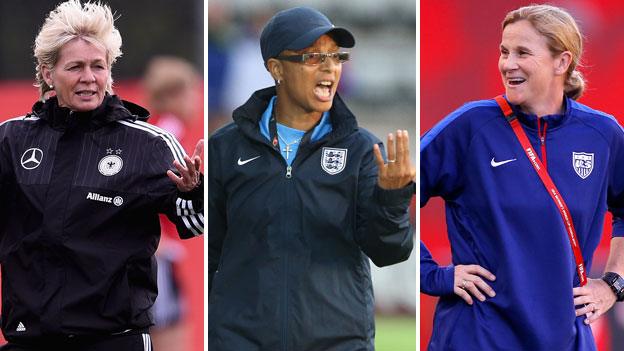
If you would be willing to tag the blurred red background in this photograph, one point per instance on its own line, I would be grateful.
(17, 100)
(458, 63)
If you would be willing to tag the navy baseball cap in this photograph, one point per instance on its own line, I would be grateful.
(296, 29)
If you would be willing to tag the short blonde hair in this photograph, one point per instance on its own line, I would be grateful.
(92, 22)
(562, 33)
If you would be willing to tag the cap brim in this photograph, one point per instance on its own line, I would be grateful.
(341, 36)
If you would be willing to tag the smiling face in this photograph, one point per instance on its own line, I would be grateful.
(306, 89)
(79, 76)
(533, 77)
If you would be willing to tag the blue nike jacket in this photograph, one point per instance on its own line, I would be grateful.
(500, 216)
(289, 249)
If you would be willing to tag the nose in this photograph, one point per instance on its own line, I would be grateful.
(87, 75)
(508, 62)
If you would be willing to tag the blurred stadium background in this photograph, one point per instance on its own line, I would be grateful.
(458, 57)
(378, 84)
(148, 28)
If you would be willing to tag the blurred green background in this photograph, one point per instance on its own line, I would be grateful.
(396, 333)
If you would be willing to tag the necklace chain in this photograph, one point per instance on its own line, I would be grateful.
(287, 143)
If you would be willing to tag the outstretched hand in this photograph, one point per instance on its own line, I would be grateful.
(399, 171)
(189, 173)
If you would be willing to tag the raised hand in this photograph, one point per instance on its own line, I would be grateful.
(189, 173)
(399, 171)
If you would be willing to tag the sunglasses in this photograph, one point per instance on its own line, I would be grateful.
(316, 58)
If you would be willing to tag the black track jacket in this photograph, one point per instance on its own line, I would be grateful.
(289, 257)
(81, 194)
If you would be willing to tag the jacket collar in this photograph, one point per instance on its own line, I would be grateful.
(112, 109)
(553, 121)
(248, 116)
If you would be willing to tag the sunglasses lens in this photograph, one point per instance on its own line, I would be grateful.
(343, 56)
(312, 58)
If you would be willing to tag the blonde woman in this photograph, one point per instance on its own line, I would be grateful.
(86, 178)
(526, 178)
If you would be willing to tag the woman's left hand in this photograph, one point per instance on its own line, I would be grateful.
(596, 298)
(399, 171)
(189, 173)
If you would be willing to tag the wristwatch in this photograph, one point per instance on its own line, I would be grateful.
(616, 283)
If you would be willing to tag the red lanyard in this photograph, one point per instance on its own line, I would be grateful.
(548, 183)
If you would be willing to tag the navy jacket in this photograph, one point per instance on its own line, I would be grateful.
(289, 257)
(79, 219)
(500, 216)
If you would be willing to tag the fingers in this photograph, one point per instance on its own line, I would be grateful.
(483, 286)
(478, 270)
(190, 164)
(406, 146)
(469, 282)
(189, 174)
(400, 147)
(472, 288)
(580, 290)
(399, 171)
(378, 158)
(463, 294)
(391, 149)
(582, 300)
(586, 309)
(175, 179)
(199, 149)
(593, 316)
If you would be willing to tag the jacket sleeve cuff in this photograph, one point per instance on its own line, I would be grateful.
(617, 227)
(394, 197)
(439, 281)
(447, 277)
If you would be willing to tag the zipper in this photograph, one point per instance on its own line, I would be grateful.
(542, 137)
(289, 172)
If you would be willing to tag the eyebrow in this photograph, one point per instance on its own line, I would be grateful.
(81, 62)
(521, 48)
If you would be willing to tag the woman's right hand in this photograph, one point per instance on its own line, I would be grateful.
(469, 282)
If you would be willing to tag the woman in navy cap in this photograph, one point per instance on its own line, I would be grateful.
(300, 198)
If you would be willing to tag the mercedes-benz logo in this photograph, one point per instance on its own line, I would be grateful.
(32, 158)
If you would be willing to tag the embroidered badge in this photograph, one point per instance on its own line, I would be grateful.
(583, 163)
(333, 160)
(110, 165)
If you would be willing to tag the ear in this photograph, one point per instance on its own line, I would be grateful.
(276, 69)
(47, 74)
(562, 62)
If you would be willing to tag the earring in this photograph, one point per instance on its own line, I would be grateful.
(51, 86)
(279, 81)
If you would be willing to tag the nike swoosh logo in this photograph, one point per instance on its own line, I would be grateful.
(496, 164)
(240, 162)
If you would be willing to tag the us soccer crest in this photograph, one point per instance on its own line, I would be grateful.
(583, 163)
(333, 160)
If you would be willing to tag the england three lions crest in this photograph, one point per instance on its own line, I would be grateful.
(333, 160)
(583, 163)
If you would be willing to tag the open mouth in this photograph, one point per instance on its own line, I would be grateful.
(323, 89)
(515, 81)
(85, 93)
